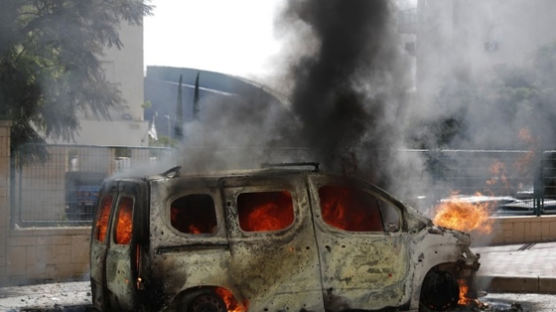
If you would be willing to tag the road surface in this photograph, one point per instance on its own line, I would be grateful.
(76, 297)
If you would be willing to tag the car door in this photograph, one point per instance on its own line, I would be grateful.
(274, 258)
(126, 240)
(107, 198)
(363, 250)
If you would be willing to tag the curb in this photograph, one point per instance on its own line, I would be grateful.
(517, 284)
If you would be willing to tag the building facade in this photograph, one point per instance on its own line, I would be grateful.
(123, 67)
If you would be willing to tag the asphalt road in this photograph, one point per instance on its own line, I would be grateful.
(76, 297)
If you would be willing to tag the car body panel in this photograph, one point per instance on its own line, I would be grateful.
(306, 266)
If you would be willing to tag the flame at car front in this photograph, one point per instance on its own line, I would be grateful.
(464, 215)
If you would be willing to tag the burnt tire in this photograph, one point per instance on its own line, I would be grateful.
(440, 292)
(206, 302)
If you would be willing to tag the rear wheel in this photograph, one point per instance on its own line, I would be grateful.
(440, 291)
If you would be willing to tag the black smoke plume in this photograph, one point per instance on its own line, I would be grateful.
(342, 94)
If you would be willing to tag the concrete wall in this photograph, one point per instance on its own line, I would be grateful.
(36, 254)
(4, 195)
(518, 230)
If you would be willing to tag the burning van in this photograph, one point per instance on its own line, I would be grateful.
(273, 239)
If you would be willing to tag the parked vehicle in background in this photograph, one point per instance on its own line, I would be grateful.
(271, 239)
(82, 189)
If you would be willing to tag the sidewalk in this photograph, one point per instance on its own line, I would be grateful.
(518, 268)
(46, 297)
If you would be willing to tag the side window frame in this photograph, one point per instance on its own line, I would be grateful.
(231, 198)
(217, 201)
(317, 182)
(261, 192)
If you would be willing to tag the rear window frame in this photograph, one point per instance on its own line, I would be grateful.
(98, 213)
(116, 212)
(217, 201)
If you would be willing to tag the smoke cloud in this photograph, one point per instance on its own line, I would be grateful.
(346, 91)
(349, 100)
(346, 87)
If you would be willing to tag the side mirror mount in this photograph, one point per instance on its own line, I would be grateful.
(392, 227)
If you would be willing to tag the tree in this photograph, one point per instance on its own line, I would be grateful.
(50, 66)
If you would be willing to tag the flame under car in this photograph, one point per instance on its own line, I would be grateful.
(269, 240)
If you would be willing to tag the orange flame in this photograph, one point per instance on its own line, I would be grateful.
(125, 223)
(463, 291)
(192, 229)
(232, 305)
(265, 211)
(458, 214)
(523, 164)
(465, 300)
(525, 135)
(498, 170)
(348, 209)
(102, 222)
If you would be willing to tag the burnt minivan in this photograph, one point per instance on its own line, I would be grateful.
(272, 239)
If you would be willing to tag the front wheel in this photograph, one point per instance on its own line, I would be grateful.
(440, 291)
(207, 302)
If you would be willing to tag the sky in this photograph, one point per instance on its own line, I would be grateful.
(230, 36)
(234, 37)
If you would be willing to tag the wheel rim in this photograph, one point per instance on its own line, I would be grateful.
(207, 303)
(441, 291)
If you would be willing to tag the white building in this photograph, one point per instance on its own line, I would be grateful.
(123, 67)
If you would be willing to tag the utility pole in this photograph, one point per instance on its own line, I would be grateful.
(196, 108)
(178, 127)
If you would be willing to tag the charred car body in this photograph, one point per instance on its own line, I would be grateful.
(269, 240)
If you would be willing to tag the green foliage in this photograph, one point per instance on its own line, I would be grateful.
(49, 62)
(147, 104)
(163, 141)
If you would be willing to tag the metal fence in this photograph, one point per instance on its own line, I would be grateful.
(63, 188)
(511, 179)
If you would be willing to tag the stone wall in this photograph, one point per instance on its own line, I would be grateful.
(518, 230)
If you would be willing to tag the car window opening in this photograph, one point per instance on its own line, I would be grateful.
(265, 211)
(350, 209)
(193, 214)
(103, 216)
(124, 224)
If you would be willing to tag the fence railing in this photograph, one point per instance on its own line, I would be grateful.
(63, 188)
